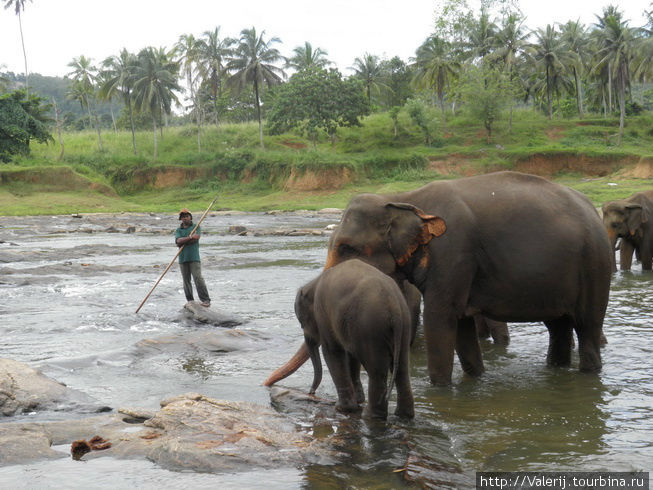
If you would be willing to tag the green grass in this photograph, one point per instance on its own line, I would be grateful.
(231, 164)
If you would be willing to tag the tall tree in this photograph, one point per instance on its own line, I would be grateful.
(253, 63)
(435, 66)
(306, 56)
(19, 6)
(575, 38)
(617, 47)
(510, 42)
(480, 36)
(83, 89)
(369, 70)
(155, 83)
(550, 56)
(187, 52)
(118, 81)
(213, 53)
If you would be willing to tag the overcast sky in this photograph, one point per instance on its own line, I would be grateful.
(56, 31)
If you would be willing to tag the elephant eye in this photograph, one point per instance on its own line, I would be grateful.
(345, 250)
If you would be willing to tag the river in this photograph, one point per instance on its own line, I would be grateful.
(70, 287)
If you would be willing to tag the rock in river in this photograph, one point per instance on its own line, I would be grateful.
(204, 314)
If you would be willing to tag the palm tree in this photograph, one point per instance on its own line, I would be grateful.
(551, 56)
(18, 6)
(435, 66)
(83, 88)
(480, 37)
(155, 81)
(305, 56)
(187, 52)
(575, 38)
(617, 47)
(213, 53)
(252, 62)
(510, 43)
(118, 80)
(370, 70)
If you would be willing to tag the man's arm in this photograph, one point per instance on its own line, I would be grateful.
(188, 240)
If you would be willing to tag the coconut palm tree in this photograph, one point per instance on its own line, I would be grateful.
(187, 53)
(551, 56)
(576, 40)
(213, 53)
(369, 69)
(306, 56)
(617, 43)
(434, 67)
(253, 63)
(510, 42)
(480, 37)
(155, 83)
(19, 6)
(84, 76)
(118, 81)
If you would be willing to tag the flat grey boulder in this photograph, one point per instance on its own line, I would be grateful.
(207, 314)
(198, 341)
(191, 432)
(24, 389)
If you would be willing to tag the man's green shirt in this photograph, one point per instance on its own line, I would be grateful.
(190, 253)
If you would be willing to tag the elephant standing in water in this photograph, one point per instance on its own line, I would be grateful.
(360, 317)
(509, 246)
(631, 220)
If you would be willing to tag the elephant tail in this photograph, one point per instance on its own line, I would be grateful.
(399, 327)
(295, 362)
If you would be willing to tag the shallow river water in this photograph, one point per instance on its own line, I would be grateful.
(69, 290)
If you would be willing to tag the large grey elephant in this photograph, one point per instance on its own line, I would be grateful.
(631, 220)
(360, 317)
(510, 246)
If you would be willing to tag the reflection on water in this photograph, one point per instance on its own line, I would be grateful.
(76, 323)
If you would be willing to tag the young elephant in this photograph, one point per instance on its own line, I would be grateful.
(359, 316)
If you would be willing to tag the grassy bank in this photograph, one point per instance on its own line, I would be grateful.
(290, 174)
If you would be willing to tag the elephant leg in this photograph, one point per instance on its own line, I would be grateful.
(626, 255)
(355, 373)
(468, 348)
(560, 340)
(499, 332)
(377, 393)
(337, 361)
(405, 402)
(646, 256)
(482, 327)
(440, 339)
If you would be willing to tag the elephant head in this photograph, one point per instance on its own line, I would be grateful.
(623, 219)
(384, 234)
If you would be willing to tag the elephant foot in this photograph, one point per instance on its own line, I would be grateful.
(348, 408)
(440, 380)
(590, 363)
(406, 413)
(376, 413)
(472, 369)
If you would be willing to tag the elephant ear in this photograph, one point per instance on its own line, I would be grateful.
(636, 216)
(409, 228)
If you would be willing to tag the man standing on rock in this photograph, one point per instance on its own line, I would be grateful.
(189, 258)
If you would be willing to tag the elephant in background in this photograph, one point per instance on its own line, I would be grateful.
(631, 219)
(359, 316)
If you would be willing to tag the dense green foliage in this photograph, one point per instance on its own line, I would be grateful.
(315, 99)
(21, 120)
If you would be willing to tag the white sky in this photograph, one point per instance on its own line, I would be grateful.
(56, 31)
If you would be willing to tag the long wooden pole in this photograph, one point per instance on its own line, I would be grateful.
(176, 255)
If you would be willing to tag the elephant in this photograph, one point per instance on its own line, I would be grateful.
(484, 326)
(631, 219)
(509, 246)
(359, 316)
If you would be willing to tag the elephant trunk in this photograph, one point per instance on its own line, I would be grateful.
(314, 352)
(332, 259)
(295, 362)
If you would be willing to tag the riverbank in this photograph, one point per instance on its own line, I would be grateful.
(290, 174)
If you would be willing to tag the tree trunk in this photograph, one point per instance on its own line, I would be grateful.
(548, 94)
(97, 127)
(131, 122)
(58, 125)
(22, 40)
(156, 143)
(579, 96)
(622, 102)
(113, 120)
(610, 88)
(258, 111)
